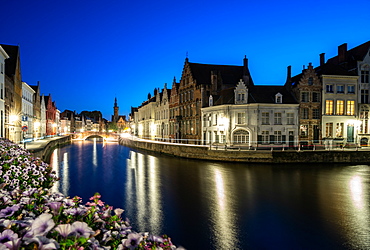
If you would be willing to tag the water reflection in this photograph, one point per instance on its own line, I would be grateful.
(143, 191)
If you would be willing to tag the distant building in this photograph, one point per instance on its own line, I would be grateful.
(27, 110)
(3, 57)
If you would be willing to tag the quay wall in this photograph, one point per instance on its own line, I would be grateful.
(44, 151)
(251, 156)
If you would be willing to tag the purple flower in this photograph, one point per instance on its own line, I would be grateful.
(118, 211)
(7, 235)
(81, 229)
(155, 238)
(44, 243)
(42, 225)
(64, 230)
(55, 206)
(8, 211)
(133, 240)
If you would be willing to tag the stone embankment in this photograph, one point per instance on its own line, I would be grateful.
(200, 152)
(43, 148)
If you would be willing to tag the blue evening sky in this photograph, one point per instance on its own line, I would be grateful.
(86, 53)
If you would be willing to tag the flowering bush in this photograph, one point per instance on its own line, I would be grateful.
(33, 217)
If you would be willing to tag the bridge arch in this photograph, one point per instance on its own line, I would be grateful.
(88, 134)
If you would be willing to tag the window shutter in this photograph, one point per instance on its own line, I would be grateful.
(272, 139)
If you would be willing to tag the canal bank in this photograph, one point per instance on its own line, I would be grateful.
(202, 152)
(44, 148)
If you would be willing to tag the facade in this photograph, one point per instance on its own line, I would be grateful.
(251, 117)
(42, 116)
(36, 111)
(3, 56)
(174, 113)
(162, 114)
(51, 122)
(27, 110)
(144, 119)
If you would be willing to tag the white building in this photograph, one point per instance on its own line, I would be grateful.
(162, 114)
(3, 56)
(251, 117)
(27, 110)
(144, 119)
(43, 117)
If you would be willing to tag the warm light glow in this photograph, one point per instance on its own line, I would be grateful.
(13, 118)
(37, 124)
(54, 125)
(355, 185)
(125, 135)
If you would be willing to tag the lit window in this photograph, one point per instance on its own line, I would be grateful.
(340, 107)
(241, 137)
(350, 107)
(339, 130)
(328, 107)
(329, 129)
(304, 131)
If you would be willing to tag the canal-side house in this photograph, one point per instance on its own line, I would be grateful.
(198, 82)
(162, 114)
(27, 110)
(36, 111)
(42, 116)
(3, 56)
(251, 117)
(357, 61)
(13, 93)
(51, 125)
(339, 105)
(307, 88)
(174, 113)
(145, 119)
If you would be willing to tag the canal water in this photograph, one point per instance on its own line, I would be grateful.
(216, 205)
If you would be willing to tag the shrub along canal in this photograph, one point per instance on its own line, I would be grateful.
(217, 205)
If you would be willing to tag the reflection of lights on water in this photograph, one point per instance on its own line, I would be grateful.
(220, 189)
(140, 190)
(55, 164)
(65, 174)
(95, 154)
(355, 185)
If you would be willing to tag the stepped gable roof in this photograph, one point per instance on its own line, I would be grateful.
(11, 62)
(353, 55)
(266, 94)
(202, 72)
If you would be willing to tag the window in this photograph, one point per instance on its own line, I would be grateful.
(316, 97)
(329, 88)
(290, 118)
(215, 120)
(350, 107)
(315, 114)
(265, 118)
(241, 137)
(304, 97)
(241, 118)
(265, 137)
(329, 129)
(351, 89)
(365, 76)
(278, 137)
(240, 97)
(278, 98)
(2, 68)
(310, 81)
(304, 131)
(340, 89)
(304, 113)
(364, 96)
(277, 118)
(339, 130)
(217, 137)
(329, 107)
(340, 107)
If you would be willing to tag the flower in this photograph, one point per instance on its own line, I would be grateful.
(42, 225)
(7, 235)
(44, 243)
(118, 211)
(133, 240)
(64, 230)
(81, 229)
(8, 211)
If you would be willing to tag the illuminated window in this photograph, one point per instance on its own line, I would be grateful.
(265, 118)
(350, 107)
(340, 107)
(304, 131)
(339, 130)
(328, 107)
(329, 129)
(241, 137)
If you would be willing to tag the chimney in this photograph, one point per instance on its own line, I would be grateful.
(309, 65)
(289, 73)
(322, 59)
(342, 50)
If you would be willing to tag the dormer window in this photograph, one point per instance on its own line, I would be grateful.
(278, 98)
(241, 93)
(210, 101)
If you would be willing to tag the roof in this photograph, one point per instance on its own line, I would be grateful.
(229, 74)
(353, 55)
(11, 62)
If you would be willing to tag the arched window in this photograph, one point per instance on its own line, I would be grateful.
(241, 136)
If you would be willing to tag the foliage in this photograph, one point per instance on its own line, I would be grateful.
(33, 217)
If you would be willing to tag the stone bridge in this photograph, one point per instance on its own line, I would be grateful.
(105, 135)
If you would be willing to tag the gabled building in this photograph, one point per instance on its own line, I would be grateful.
(248, 116)
(198, 82)
(162, 113)
(51, 122)
(27, 110)
(36, 111)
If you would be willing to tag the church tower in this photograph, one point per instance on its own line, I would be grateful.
(115, 108)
